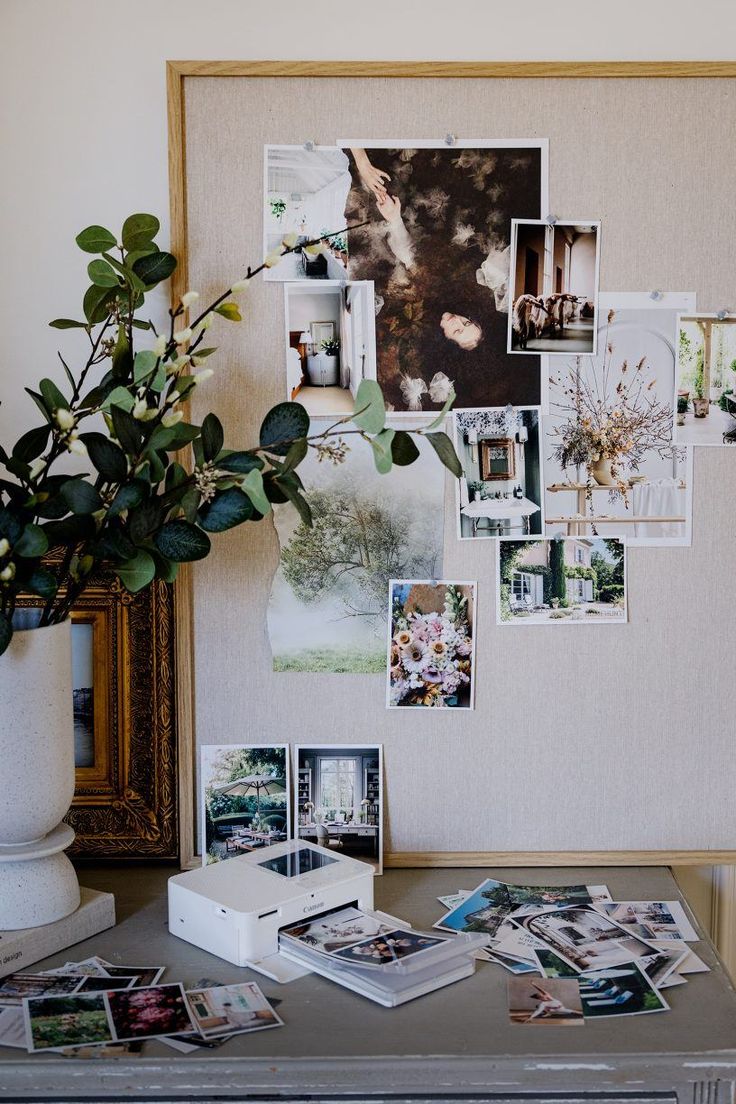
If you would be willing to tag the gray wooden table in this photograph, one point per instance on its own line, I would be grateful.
(455, 1044)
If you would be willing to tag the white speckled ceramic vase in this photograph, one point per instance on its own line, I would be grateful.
(38, 884)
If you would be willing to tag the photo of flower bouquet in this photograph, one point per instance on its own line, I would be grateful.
(431, 650)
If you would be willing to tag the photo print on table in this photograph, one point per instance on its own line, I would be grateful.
(554, 287)
(500, 490)
(431, 644)
(305, 192)
(338, 801)
(149, 1012)
(330, 343)
(53, 1022)
(483, 910)
(13, 989)
(548, 1002)
(231, 1009)
(327, 609)
(437, 248)
(651, 919)
(609, 453)
(245, 802)
(585, 938)
(705, 391)
(563, 581)
(337, 930)
(621, 991)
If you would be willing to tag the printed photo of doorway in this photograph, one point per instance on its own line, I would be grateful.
(330, 343)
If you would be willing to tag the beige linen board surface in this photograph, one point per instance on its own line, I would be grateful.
(583, 740)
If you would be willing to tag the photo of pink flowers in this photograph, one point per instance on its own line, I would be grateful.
(431, 645)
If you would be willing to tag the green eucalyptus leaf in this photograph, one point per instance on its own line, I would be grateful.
(127, 429)
(157, 382)
(102, 274)
(95, 239)
(182, 434)
(295, 455)
(33, 542)
(284, 422)
(139, 230)
(96, 303)
(404, 450)
(139, 325)
(182, 542)
(70, 530)
(108, 459)
(226, 510)
(52, 396)
(137, 573)
(67, 324)
(31, 444)
(165, 569)
(298, 501)
(444, 448)
(381, 445)
(38, 399)
(189, 504)
(369, 412)
(128, 497)
(145, 520)
(213, 437)
(202, 353)
(41, 582)
(241, 462)
(154, 267)
(253, 487)
(229, 311)
(6, 632)
(81, 497)
(121, 355)
(144, 364)
(119, 398)
(10, 527)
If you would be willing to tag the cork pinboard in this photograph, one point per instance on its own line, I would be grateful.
(586, 745)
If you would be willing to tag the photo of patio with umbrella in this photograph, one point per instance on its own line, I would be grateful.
(245, 799)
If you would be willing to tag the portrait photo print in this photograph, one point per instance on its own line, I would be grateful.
(436, 245)
(554, 287)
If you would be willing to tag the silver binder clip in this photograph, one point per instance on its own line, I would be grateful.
(309, 146)
(551, 220)
(721, 314)
(656, 295)
(450, 139)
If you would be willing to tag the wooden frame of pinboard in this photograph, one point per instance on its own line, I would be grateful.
(177, 73)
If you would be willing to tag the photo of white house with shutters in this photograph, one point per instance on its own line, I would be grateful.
(567, 579)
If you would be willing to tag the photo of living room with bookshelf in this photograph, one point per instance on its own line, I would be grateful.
(339, 799)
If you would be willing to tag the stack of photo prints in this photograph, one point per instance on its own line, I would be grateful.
(96, 1009)
(378, 956)
(573, 953)
(439, 273)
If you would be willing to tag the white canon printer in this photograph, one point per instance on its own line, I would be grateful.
(236, 908)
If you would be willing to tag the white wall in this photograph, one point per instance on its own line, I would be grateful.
(83, 110)
(582, 265)
(308, 307)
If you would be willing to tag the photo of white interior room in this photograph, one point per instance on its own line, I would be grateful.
(305, 195)
(500, 490)
(330, 343)
(555, 285)
(339, 799)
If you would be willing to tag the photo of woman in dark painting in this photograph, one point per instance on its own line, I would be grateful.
(437, 249)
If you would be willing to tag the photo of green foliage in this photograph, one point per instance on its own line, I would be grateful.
(68, 1021)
